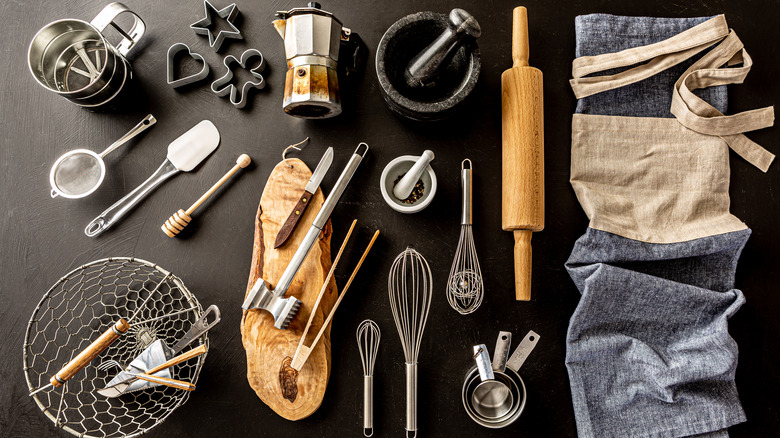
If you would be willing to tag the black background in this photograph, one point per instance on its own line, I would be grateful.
(43, 237)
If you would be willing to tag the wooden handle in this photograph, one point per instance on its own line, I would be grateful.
(292, 220)
(89, 353)
(523, 265)
(241, 162)
(520, 50)
(173, 383)
(195, 352)
(302, 352)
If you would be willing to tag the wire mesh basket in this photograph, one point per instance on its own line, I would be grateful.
(81, 306)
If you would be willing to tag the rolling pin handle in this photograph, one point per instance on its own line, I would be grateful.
(520, 50)
(523, 264)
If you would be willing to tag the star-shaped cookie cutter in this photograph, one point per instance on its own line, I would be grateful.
(229, 13)
(222, 86)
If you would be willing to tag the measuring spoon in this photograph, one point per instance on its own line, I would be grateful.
(80, 172)
(491, 398)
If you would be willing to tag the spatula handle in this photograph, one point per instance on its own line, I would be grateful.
(114, 213)
(173, 383)
(195, 352)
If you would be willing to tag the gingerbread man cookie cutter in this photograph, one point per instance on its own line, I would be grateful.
(222, 86)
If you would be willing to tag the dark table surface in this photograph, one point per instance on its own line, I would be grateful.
(43, 238)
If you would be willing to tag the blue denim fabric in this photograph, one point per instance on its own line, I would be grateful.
(648, 349)
(603, 33)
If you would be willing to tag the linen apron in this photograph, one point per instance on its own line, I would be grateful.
(648, 350)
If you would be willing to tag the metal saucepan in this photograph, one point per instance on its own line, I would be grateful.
(80, 172)
(483, 410)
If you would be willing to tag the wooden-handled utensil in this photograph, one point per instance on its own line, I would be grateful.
(85, 356)
(181, 218)
(302, 352)
(96, 347)
(522, 122)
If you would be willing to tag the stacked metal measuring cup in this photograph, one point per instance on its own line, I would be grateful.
(494, 394)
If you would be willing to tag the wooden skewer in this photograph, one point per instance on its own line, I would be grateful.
(181, 218)
(303, 352)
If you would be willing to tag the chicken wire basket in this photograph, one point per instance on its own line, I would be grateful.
(75, 311)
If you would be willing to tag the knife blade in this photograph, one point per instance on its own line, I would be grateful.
(303, 202)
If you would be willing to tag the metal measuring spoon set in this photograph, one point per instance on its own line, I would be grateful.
(494, 394)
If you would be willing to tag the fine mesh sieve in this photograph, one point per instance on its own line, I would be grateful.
(81, 306)
(80, 172)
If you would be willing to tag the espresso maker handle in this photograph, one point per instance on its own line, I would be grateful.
(106, 17)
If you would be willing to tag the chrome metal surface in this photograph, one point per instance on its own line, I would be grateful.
(501, 352)
(465, 287)
(312, 39)
(79, 172)
(204, 26)
(171, 67)
(284, 309)
(368, 337)
(72, 58)
(410, 289)
(114, 213)
(83, 304)
(491, 398)
(523, 350)
(320, 171)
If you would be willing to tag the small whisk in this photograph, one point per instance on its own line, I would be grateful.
(464, 285)
(410, 287)
(368, 335)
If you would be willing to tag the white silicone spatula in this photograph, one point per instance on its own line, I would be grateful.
(184, 154)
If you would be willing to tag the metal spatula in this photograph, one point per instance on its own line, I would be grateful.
(184, 154)
(152, 363)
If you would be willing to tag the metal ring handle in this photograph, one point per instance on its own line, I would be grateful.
(147, 122)
(106, 17)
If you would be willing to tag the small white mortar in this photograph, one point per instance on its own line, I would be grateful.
(398, 167)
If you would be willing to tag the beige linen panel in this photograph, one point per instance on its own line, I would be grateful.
(651, 179)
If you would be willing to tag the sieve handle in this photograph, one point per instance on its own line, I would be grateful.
(106, 17)
(85, 357)
(121, 207)
(147, 122)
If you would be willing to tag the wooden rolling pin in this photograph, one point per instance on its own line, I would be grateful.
(522, 123)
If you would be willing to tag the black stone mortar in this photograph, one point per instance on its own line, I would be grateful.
(403, 41)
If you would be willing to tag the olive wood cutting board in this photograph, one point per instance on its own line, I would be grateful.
(293, 395)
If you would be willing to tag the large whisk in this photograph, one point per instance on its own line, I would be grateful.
(464, 285)
(410, 287)
(368, 335)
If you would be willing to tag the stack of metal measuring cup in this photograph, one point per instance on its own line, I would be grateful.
(494, 393)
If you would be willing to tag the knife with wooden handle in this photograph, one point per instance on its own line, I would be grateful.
(303, 202)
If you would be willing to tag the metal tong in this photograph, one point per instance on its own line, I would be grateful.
(272, 300)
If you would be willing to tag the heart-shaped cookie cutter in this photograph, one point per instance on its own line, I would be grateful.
(187, 80)
(222, 86)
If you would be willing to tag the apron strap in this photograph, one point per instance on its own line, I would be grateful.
(691, 111)
(661, 56)
(697, 115)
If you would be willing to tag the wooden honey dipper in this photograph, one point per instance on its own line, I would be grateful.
(181, 218)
